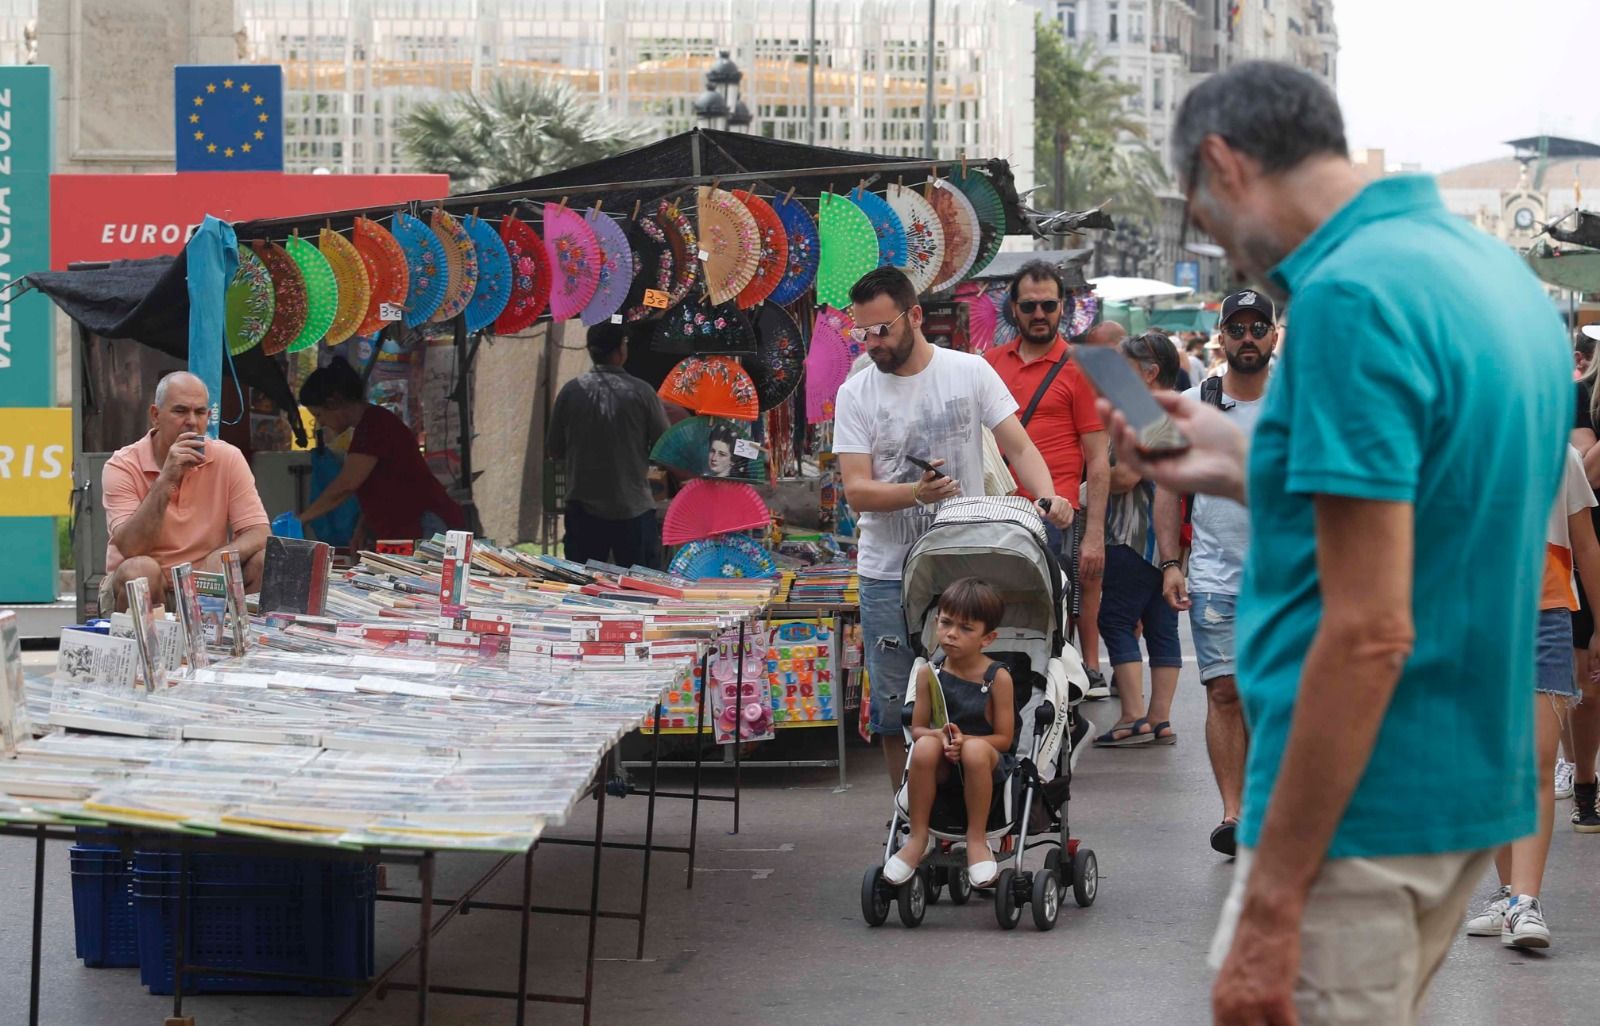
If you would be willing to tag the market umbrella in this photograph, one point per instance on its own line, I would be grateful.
(530, 276)
(924, 235)
(685, 251)
(891, 231)
(288, 295)
(849, 248)
(350, 274)
(730, 243)
(425, 266)
(827, 363)
(490, 295)
(774, 257)
(1569, 267)
(248, 303)
(705, 508)
(616, 269)
(991, 212)
(702, 327)
(652, 267)
(322, 293)
(687, 446)
(801, 231)
(779, 360)
(732, 557)
(574, 255)
(461, 262)
(712, 385)
(386, 272)
(960, 224)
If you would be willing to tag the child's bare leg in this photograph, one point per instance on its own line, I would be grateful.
(978, 758)
(927, 755)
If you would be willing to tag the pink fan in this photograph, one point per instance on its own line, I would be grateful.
(981, 316)
(575, 261)
(705, 508)
(827, 363)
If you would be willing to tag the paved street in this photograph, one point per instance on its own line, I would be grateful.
(772, 935)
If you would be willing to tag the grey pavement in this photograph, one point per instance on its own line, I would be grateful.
(771, 934)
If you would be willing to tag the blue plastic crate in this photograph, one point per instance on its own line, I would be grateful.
(104, 919)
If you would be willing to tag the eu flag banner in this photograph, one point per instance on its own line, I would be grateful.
(229, 116)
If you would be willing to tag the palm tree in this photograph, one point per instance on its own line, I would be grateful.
(519, 128)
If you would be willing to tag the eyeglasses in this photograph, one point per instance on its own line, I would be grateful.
(860, 335)
(1257, 329)
(1028, 306)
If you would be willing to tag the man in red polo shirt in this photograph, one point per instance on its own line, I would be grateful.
(1058, 410)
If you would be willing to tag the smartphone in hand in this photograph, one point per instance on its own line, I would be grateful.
(925, 466)
(1114, 378)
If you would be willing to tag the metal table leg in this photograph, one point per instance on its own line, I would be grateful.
(699, 734)
(527, 922)
(38, 927)
(649, 827)
(425, 871)
(594, 902)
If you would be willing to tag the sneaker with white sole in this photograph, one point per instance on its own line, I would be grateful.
(1098, 689)
(1585, 814)
(1525, 926)
(1492, 917)
(1564, 773)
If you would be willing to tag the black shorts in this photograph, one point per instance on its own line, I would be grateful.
(1582, 621)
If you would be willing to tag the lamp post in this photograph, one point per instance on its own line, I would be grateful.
(720, 106)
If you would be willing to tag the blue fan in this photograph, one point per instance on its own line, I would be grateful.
(803, 251)
(893, 249)
(730, 556)
(425, 262)
(489, 296)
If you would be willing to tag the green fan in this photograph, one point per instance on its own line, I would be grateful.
(248, 304)
(991, 211)
(322, 293)
(849, 248)
(711, 447)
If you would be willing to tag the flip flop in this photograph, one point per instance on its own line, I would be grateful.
(897, 870)
(1135, 737)
(1156, 737)
(983, 874)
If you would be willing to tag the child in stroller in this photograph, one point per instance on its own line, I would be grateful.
(975, 740)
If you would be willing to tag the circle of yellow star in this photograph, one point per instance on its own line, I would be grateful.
(199, 135)
(194, 119)
(260, 100)
(244, 87)
(262, 116)
(245, 148)
(211, 147)
(227, 83)
(211, 87)
(228, 152)
(199, 101)
(260, 134)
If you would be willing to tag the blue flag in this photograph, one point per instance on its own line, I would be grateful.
(229, 116)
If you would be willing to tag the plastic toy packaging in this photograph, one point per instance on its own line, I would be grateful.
(739, 706)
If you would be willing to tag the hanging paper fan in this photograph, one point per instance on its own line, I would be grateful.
(574, 256)
(801, 270)
(350, 275)
(712, 385)
(386, 272)
(248, 304)
(685, 251)
(322, 293)
(616, 269)
(461, 261)
(732, 558)
(652, 267)
(426, 264)
(730, 243)
(530, 276)
(849, 248)
(705, 508)
(773, 259)
(886, 223)
(960, 225)
(924, 235)
(779, 360)
(1085, 308)
(698, 326)
(493, 290)
(982, 316)
(288, 295)
(991, 213)
(827, 363)
(711, 447)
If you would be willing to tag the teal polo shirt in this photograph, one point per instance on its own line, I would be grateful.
(1423, 364)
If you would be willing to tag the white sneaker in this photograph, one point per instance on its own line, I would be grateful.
(1564, 773)
(1525, 926)
(1491, 919)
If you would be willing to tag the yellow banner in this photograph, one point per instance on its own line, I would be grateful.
(35, 462)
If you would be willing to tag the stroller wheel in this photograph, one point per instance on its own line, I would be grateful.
(913, 900)
(875, 897)
(1006, 910)
(935, 883)
(1052, 865)
(960, 887)
(1046, 901)
(1085, 877)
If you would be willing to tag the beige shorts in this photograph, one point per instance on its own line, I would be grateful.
(1375, 932)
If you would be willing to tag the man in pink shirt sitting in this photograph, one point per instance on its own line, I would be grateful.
(175, 496)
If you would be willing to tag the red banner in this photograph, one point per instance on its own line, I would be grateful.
(127, 217)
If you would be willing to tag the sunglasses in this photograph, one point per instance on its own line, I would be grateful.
(1028, 306)
(1258, 330)
(875, 330)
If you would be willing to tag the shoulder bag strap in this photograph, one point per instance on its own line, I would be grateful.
(1044, 386)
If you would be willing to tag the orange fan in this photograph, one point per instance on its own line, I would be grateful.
(706, 508)
(715, 386)
(386, 272)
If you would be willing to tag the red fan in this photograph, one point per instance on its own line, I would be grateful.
(715, 386)
(774, 258)
(827, 364)
(530, 277)
(705, 508)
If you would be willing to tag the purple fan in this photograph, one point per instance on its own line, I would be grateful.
(803, 251)
(616, 270)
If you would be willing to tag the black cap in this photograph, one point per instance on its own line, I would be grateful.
(604, 339)
(1249, 299)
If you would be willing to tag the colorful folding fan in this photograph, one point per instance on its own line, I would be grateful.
(386, 272)
(886, 223)
(827, 364)
(712, 385)
(801, 270)
(426, 266)
(774, 257)
(574, 256)
(685, 250)
(248, 303)
(288, 294)
(849, 248)
(490, 295)
(960, 225)
(322, 293)
(779, 360)
(734, 557)
(700, 327)
(982, 317)
(530, 276)
(350, 274)
(461, 262)
(652, 271)
(706, 508)
(1085, 308)
(616, 269)
(711, 447)
(924, 235)
(730, 240)
(990, 210)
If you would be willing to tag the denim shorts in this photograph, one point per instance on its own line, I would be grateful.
(1555, 655)
(888, 652)
(1211, 623)
(1131, 595)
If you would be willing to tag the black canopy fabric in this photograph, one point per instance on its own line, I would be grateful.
(147, 301)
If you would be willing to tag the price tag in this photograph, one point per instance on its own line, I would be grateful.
(656, 299)
(390, 311)
(616, 318)
(704, 255)
(746, 449)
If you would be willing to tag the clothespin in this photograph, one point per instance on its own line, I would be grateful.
(636, 205)
(597, 206)
(474, 211)
(788, 197)
(563, 204)
(963, 163)
(715, 181)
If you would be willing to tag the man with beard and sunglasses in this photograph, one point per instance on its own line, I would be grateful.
(921, 403)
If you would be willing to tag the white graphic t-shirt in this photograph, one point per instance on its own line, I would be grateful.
(935, 414)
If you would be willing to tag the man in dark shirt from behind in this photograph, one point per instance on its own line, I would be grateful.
(602, 426)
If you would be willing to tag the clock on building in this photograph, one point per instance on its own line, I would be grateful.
(1523, 218)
